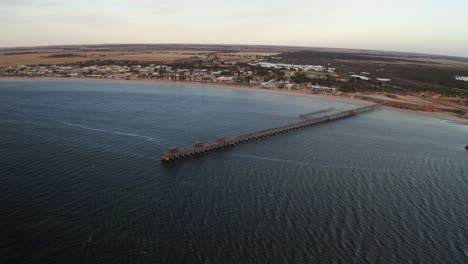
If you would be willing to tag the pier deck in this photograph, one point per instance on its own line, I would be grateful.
(227, 142)
(313, 114)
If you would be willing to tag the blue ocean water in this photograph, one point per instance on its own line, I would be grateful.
(81, 179)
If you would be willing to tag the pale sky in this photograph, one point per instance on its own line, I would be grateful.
(426, 26)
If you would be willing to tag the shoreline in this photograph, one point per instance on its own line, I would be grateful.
(299, 93)
(230, 86)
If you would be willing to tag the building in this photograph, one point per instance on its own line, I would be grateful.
(383, 80)
(318, 88)
(364, 78)
(224, 79)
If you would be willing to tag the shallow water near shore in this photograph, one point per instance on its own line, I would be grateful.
(81, 179)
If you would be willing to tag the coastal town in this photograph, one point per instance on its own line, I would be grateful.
(208, 69)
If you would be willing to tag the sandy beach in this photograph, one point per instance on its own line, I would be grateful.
(302, 93)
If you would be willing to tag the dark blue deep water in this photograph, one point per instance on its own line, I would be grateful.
(81, 180)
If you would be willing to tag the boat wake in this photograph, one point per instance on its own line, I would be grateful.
(110, 131)
(306, 163)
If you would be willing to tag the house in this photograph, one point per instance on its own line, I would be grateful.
(364, 78)
(224, 79)
(383, 80)
(318, 88)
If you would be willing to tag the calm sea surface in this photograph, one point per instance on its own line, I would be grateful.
(81, 180)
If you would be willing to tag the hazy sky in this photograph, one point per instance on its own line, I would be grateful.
(429, 26)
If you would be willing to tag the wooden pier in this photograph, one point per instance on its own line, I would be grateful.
(228, 142)
(313, 114)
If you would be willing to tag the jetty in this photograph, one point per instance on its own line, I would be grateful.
(313, 114)
(228, 142)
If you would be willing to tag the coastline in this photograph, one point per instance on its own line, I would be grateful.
(300, 93)
(230, 86)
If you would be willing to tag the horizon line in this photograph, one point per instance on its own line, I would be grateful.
(224, 44)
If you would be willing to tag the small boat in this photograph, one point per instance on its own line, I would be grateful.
(466, 147)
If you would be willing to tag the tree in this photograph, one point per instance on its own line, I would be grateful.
(280, 75)
(300, 77)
